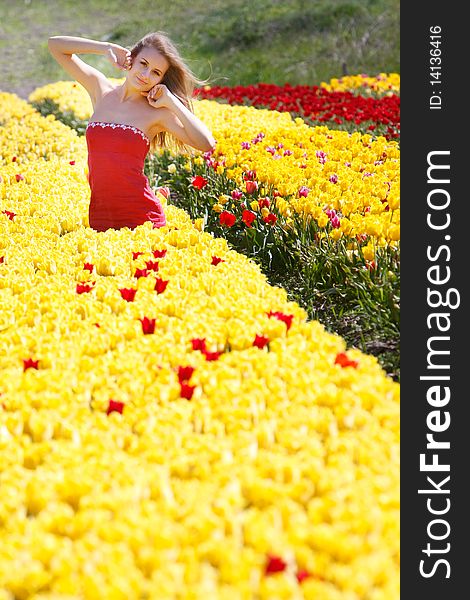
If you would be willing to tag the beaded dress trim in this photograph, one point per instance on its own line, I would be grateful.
(122, 126)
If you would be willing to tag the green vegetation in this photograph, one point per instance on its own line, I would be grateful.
(232, 42)
(334, 286)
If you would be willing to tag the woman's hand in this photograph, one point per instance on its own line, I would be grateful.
(119, 56)
(159, 96)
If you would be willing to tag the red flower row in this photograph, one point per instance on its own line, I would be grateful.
(228, 219)
(313, 102)
(184, 373)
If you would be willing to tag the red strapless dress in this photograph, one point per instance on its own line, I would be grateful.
(120, 192)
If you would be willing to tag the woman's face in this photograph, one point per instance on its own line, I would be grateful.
(148, 69)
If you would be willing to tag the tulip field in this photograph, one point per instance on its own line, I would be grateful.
(172, 425)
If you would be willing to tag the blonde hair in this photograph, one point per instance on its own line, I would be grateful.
(179, 79)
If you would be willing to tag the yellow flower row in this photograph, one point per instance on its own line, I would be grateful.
(70, 96)
(123, 479)
(383, 82)
(26, 136)
(11, 106)
(350, 173)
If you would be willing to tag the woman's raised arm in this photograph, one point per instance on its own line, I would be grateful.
(64, 50)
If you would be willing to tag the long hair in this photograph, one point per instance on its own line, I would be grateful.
(179, 79)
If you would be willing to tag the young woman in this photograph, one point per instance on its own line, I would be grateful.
(151, 108)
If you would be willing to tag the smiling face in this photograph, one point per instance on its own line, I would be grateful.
(148, 69)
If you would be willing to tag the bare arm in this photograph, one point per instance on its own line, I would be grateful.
(64, 50)
(175, 118)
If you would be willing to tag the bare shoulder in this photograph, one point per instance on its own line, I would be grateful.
(105, 100)
(102, 89)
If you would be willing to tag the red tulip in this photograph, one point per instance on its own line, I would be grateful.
(261, 341)
(210, 356)
(264, 202)
(159, 253)
(148, 325)
(140, 273)
(185, 373)
(248, 217)
(270, 219)
(251, 186)
(152, 265)
(199, 344)
(287, 319)
(249, 175)
(226, 218)
(198, 182)
(115, 406)
(128, 294)
(160, 285)
(30, 364)
(187, 391)
(301, 575)
(275, 564)
(343, 360)
(82, 288)
(216, 260)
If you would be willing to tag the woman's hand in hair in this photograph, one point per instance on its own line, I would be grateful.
(119, 56)
(159, 96)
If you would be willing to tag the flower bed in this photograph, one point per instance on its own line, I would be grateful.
(317, 169)
(366, 84)
(170, 424)
(317, 208)
(318, 105)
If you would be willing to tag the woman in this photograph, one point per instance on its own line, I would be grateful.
(151, 108)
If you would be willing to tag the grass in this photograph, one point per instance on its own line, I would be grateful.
(342, 312)
(233, 42)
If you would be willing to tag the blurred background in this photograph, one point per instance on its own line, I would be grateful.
(232, 42)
